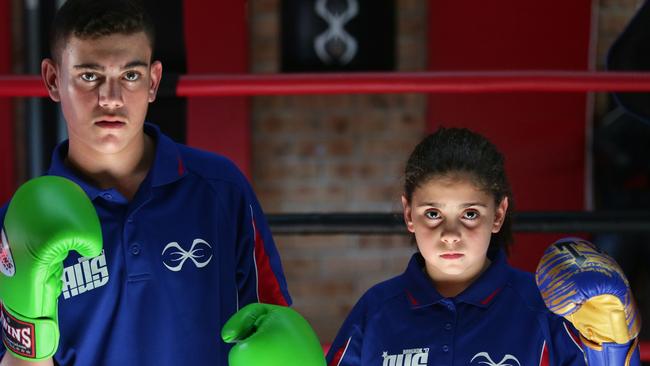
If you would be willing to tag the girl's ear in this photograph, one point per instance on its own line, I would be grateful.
(407, 214)
(500, 215)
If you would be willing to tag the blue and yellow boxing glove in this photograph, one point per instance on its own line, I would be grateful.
(588, 288)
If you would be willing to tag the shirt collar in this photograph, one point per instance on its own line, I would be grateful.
(421, 292)
(167, 167)
(492, 281)
(419, 289)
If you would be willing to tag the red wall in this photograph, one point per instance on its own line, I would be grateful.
(7, 163)
(541, 134)
(216, 39)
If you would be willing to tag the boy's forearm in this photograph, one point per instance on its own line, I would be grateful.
(10, 360)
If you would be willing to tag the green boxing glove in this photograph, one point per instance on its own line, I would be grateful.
(46, 218)
(271, 335)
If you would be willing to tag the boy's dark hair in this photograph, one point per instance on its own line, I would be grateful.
(459, 150)
(88, 19)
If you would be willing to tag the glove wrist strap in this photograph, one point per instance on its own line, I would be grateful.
(611, 354)
(27, 338)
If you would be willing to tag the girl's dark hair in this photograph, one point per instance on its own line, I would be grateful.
(89, 19)
(459, 150)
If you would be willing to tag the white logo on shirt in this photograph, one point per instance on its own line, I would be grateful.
(86, 275)
(197, 253)
(408, 357)
(488, 361)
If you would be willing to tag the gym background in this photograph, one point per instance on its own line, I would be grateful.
(346, 153)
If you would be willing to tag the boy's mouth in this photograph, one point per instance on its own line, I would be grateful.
(110, 124)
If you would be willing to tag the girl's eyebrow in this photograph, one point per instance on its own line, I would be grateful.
(432, 204)
(465, 205)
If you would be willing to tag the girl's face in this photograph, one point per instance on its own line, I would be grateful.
(453, 220)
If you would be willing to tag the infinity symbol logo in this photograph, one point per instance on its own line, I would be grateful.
(343, 45)
(196, 254)
(488, 361)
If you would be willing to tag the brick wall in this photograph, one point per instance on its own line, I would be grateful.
(346, 153)
(341, 153)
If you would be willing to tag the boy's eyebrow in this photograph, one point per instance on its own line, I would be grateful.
(93, 66)
(89, 66)
(137, 63)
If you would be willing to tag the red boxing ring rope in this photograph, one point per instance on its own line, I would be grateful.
(395, 82)
(367, 83)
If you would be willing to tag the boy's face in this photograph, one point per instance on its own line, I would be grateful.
(105, 86)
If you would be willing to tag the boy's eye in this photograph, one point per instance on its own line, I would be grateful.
(470, 215)
(131, 76)
(432, 215)
(89, 76)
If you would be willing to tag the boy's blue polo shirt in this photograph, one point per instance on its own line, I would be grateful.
(189, 250)
(499, 320)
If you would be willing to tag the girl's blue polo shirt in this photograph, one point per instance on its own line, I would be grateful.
(499, 320)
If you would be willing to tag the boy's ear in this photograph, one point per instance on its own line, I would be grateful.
(500, 215)
(49, 73)
(155, 77)
(408, 220)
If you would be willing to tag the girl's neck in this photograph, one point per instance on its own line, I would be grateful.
(454, 285)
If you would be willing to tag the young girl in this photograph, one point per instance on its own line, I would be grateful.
(458, 302)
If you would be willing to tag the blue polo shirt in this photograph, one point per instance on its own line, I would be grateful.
(189, 250)
(500, 319)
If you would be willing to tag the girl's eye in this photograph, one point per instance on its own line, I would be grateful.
(132, 76)
(470, 215)
(89, 76)
(433, 215)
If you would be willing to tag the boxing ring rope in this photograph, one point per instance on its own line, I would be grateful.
(368, 83)
(401, 82)
(398, 82)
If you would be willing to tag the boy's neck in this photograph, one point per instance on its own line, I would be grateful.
(123, 171)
